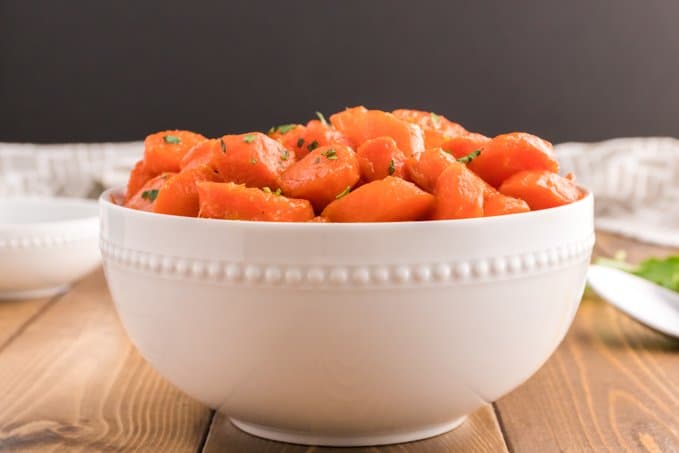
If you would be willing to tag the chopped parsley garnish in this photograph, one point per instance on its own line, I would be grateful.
(331, 154)
(285, 154)
(312, 146)
(222, 145)
(266, 189)
(277, 192)
(321, 117)
(283, 128)
(172, 139)
(300, 142)
(469, 157)
(249, 138)
(150, 195)
(253, 161)
(392, 168)
(343, 193)
(661, 271)
(435, 119)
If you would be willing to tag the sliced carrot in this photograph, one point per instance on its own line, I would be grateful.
(317, 134)
(425, 170)
(459, 194)
(207, 153)
(390, 199)
(437, 128)
(145, 197)
(179, 194)
(462, 145)
(291, 136)
(541, 189)
(253, 159)
(163, 151)
(380, 157)
(237, 202)
(320, 176)
(508, 154)
(139, 175)
(359, 124)
(495, 203)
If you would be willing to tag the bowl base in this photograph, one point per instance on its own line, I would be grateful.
(296, 437)
(34, 293)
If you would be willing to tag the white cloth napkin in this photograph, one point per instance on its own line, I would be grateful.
(635, 180)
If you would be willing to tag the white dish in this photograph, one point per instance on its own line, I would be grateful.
(45, 244)
(347, 334)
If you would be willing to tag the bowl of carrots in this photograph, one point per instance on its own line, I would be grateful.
(368, 279)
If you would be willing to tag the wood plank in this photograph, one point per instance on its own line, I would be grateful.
(480, 432)
(72, 381)
(613, 385)
(16, 314)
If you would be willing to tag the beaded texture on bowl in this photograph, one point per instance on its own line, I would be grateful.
(349, 276)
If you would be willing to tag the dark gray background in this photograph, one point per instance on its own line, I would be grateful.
(88, 70)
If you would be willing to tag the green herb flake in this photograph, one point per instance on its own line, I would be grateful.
(222, 145)
(392, 168)
(285, 154)
(331, 154)
(278, 192)
(253, 161)
(150, 195)
(661, 271)
(343, 193)
(266, 189)
(300, 142)
(172, 139)
(249, 138)
(312, 146)
(283, 128)
(469, 157)
(322, 118)
(435, 119)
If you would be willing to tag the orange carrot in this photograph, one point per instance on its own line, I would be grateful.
(541, 189)
(145, 197)
(163, 151)
(459, 194)
(380, 157)
(138, 177)
(179, 194)
(495, 203)
(437, 128)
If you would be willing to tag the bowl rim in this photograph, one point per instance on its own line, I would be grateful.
(105, 201)
(84, 203)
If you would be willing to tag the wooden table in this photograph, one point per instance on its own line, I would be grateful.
(71, 381)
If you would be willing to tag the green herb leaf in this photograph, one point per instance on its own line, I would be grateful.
(278, 192)
(150, 195)
(392, 168)
(435, 119)
(469, 157)
(343, 193)
(253, 161)
(249, 138)
(300, 142)
(322, 118)
(331, 154)
(266, 189)
(285, 154)
(312, 146)
(172, 139)
(662, 271)
(283, 128)
(222, 145)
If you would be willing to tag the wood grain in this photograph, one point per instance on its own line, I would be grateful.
(72, 382)
(16, 314)
(480, 433)
(613, 385)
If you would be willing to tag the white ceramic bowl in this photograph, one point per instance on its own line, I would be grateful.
(347, 334)
(46, 244)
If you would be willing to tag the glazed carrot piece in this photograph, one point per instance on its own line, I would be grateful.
(463, 145)
(179, 194)
(380, 157)
(390, 199)
(163, 151)
(495, 203)
(426, 170)
(237, 202)
(207, 153)
(508, 154)
(359, 124)
(459, 194)
(253, 159)
(317, 134)
(541, 189)
(291, 136)
(319, 219)
(145, 197)
(320, 176)
(437, 128)
(138, 177)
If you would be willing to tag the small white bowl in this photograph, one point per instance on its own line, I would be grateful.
(46, 244)
(347, 334)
